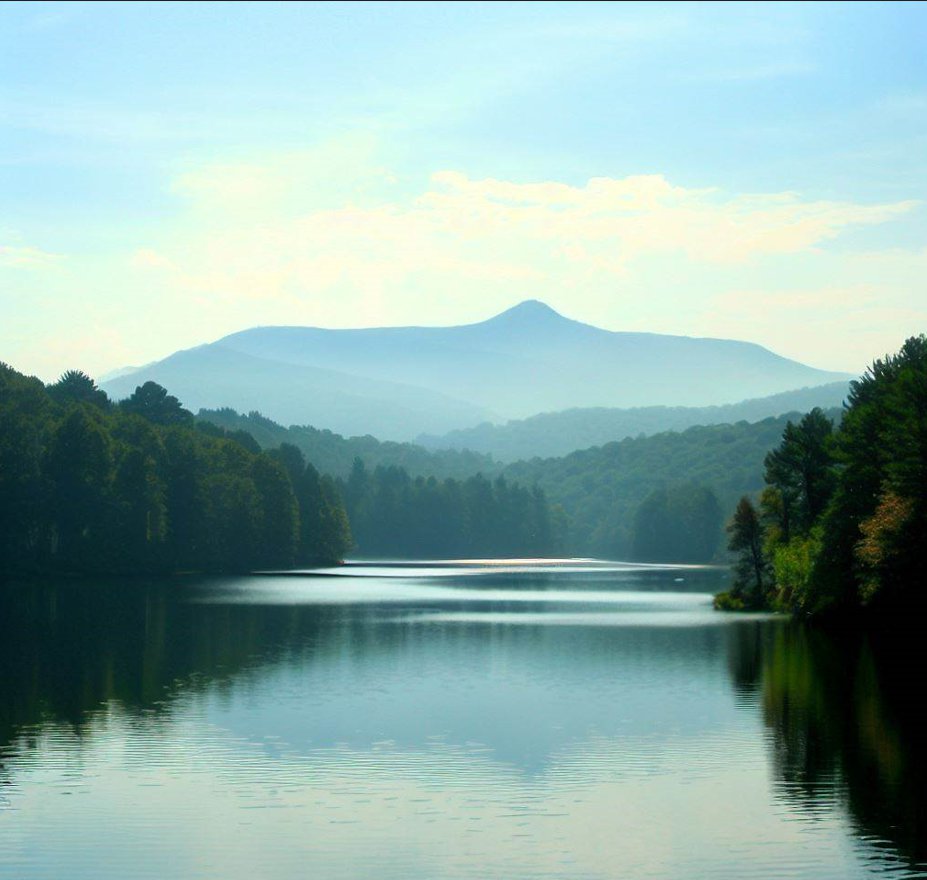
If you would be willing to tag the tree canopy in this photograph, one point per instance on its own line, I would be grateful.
(845, 511)
(89, 487)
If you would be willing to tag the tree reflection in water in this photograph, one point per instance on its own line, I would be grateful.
(845, 730)
(844, 711)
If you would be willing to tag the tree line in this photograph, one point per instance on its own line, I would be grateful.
(841, 524)
(650, 499)
(87, 485)
(92, 486)
(394, 514)
(639, 498)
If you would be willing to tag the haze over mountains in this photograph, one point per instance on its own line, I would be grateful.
(400, 382)
(558, 433)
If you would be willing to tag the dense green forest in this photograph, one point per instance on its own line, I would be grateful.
(841, 524)
(607, 492)
(90, 486)
(558, 433)
(393, 514)
(653, 499)
(333, 454)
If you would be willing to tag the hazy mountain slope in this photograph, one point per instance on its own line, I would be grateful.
(555, 434)
(399, 382)
(600, 488)
(215, 376)
(333, 454)
(530, 359)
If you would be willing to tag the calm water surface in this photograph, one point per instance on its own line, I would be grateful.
(447, 721)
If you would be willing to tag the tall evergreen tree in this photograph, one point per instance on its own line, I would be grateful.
(751, 568)
(801, 470)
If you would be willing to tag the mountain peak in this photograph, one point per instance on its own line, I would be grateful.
(529, 309)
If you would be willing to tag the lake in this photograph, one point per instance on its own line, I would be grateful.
(458, 720)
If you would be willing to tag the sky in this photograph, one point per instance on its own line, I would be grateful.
(171, 173)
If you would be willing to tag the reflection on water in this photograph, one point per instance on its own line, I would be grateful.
(850, 729)
(527, 721)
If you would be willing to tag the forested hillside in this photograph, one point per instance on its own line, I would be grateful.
(395, 515)
(87, 486)
(659, 499)
(559, 433)
(334, 454)
(601, 489)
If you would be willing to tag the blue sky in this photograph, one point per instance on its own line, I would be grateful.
(170, 173)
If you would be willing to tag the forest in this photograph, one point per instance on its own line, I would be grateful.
(92, 486)
(649, 499)
(608, 492)
(143, 485)
(89, 486)
(552, 434)
(334, 454)
(395, 515)
(841, 524)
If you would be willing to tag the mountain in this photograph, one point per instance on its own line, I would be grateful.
(556, 434)
(215, 376)
(398, 382)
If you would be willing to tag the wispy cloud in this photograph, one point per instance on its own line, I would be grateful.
(275, 240)
(16, 256)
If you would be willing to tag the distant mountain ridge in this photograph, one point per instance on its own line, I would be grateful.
(556, 434)
(399, 382)
(333, 454)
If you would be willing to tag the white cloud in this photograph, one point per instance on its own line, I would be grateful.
(277, 231)
(330, 237)
(25, 257)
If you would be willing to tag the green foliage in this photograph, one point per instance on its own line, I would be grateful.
(793, 565)
(681, 524)
(397, 515)
(801, 471)
(551, 434)
(152, 402)
(77, 387)
(729, 600)
(333, 454)
(875, 529)
(777, 548)
(25, 432)
(845, 512)
(601, 489)
(751, 568)
(88, 487)
(594, 494)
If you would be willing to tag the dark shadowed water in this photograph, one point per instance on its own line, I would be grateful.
(504, 721)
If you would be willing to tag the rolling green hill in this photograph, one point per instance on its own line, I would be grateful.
(600, 489)
(333, 454)
(553, 434)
